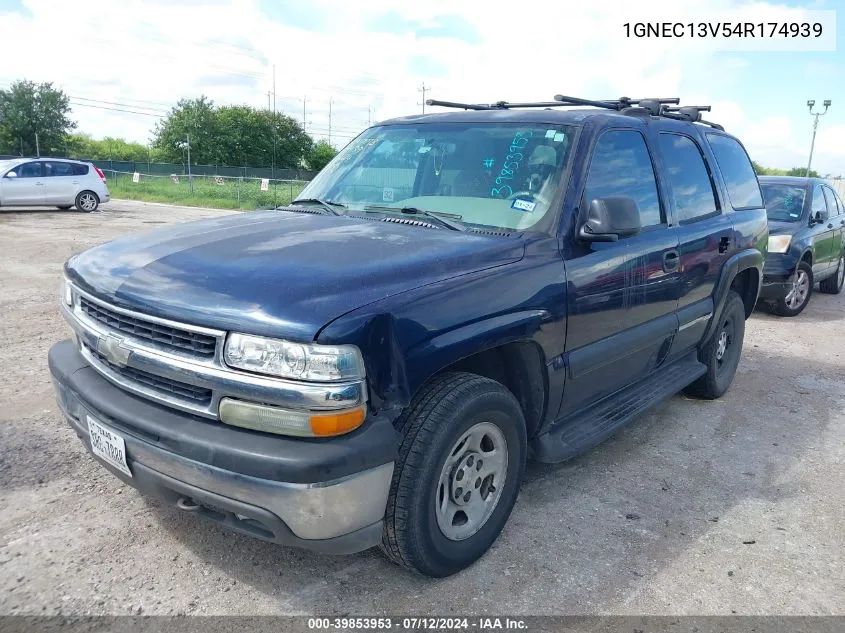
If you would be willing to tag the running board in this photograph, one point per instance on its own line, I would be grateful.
(581, 431)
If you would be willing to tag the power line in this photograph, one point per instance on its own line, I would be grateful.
(99, 107)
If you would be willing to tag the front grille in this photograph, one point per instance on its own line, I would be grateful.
(166, 386)
(164, 335)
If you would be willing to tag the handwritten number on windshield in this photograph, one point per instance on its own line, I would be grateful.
(512, 161)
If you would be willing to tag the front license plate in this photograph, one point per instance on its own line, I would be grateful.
(108, 446)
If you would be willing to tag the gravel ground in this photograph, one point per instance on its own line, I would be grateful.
(733, 506)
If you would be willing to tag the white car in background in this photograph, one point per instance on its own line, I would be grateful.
(54, 182)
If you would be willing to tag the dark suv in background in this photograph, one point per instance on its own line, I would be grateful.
(453, 293)
(806, 241)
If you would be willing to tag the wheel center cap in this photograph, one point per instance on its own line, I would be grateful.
(723, 345)
(464, 478)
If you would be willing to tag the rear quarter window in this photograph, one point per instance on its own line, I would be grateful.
(737, 172)
(80, 170)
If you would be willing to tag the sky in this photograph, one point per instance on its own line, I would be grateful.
(126, 62)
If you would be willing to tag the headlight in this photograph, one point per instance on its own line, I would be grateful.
(67, 292)
(779, 243)
(293, 360)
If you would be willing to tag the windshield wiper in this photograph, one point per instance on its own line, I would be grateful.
(326, 204)
(449, 224)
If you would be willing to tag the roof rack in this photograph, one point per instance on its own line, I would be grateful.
(667, 107)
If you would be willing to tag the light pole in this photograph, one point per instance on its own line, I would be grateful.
(810, 105)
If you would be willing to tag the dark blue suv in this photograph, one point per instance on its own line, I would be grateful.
(453, 294)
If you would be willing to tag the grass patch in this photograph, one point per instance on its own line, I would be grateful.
(232, 194)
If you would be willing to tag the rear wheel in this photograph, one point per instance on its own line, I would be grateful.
(87, 201)
(799, 295)
(722, 351)
(461, 460)
(833, 284)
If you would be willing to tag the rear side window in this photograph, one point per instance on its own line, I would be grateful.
(689, 179)
(832, 206)
(80, 170)
(621, 166)
(736, 169)
(55, 169)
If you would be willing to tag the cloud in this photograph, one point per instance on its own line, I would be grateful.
(370, 58)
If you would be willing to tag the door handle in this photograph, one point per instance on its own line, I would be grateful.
(724, 244)
(671, 261)
(75, 182)
(39, 184)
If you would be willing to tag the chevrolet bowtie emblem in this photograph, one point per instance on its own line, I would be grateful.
(112, 348)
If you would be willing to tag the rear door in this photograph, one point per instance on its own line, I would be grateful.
(705, 232)
(60, 182)
(622, 299)
(26, 188)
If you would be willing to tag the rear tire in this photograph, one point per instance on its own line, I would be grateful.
(798, 298)
(461, 460)
(833, 284)
(722, 351)
(87, 201)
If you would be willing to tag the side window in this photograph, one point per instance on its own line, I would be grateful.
(818, 201)
(621, 166)
(79, 170)
(54, 169)
(689, 179)
(832, 207)
(736, 170)
(29, 170)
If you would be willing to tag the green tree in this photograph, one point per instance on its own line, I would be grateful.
(802, 171)
(231, 135)
(27, 109)
(320, 155)
(109, 148)
(194, 117)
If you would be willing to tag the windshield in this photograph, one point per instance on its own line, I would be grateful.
(784, 203)
(488, 174)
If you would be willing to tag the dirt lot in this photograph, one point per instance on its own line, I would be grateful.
(734, 506)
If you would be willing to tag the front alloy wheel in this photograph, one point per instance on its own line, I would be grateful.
(799, 292)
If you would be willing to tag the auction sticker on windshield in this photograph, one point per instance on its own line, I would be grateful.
(108, 446)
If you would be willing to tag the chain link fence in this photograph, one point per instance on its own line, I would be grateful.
(216, 191)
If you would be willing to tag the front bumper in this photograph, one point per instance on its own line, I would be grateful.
(323, 495)
(778, 275)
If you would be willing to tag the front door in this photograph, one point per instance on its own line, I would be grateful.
(836, 217)
(823, 235)
(621, 295)
(26, 187)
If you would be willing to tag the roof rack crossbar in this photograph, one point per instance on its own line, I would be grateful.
(455, 104)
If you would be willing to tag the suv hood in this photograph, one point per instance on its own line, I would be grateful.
(278, 273)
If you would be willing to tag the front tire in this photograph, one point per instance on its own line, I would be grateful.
(722, 351)
(461, 460)
(833, 284)
(87, 201)
(798, 297)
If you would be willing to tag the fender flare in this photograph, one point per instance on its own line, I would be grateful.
(743, 260)
(469, 339)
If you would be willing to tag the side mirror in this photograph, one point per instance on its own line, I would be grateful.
(608, 219)
(11, 174)
(820, 216)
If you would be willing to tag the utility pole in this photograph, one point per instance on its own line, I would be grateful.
(304, 100)
(190, 180)
(273, 164)
(274, 88)
(268, 101)
(369, 115)
(423, 89)
(37, 148)
(810, 105)
(330, 120)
